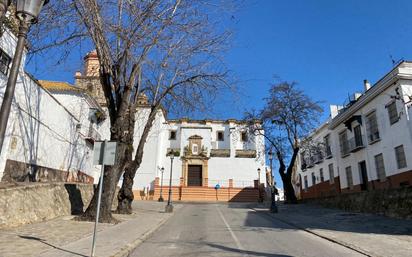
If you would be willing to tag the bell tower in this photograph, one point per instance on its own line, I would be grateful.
(89, 80)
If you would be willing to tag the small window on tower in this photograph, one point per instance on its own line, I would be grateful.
(243, 137)
(220, 136)
(172, 135)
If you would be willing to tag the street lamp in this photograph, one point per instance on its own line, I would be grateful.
(169, 206)
(259, 189)
(273, 207)
(162, 170)
(27, 11)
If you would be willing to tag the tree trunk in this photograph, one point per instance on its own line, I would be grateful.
(111, 177)
(125, 196)
(289, 190)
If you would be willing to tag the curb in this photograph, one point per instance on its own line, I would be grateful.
(128, 248)
(346, 245)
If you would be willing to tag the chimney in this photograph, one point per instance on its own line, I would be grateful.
(334, 110)
(366, 85)
(91, 64)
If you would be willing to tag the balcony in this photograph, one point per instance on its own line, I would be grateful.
(245, 154)
(220, 153)
(356, 143)
(374, 137)
(310, 162)
(317, 158)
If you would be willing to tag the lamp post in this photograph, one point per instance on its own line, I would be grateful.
(169, 206)
(259, 189)
(162, 170)
(27, 11)
(273, 207)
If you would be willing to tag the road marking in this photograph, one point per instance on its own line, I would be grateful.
(238, 244)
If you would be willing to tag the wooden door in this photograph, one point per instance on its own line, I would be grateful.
(194, 177)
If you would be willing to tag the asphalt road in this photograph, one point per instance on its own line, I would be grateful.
(233, 230)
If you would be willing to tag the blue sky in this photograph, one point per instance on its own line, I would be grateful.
(328, 46)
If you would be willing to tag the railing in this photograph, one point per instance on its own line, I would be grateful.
(317, 158)
(356, 143)
(175, 182)
(310, 162)
(243, 183)
(372, 137)
(221, 182)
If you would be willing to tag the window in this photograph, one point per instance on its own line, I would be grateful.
(331, 174)
(344, 145)
(243, 136)
(4, 62)
(195, 149)
(328, 149)
(400, 157)
(305, 178)
(372, 127)
(313, 178)
(392, 112)
(172, 135)
(322, 179)
(380, 167)
(349, 178)
(220, 136)
(357, 131)
(302, 161)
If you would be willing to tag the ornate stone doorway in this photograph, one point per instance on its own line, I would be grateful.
(194, 175)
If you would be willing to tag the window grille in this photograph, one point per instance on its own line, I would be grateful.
(400, 157)
(392, 112)
(372, 127)
(331, 174)
(349, 178)
(380, 167)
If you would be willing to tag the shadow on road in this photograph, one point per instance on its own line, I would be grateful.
(55, 247)
(252, 253)
(308, 216)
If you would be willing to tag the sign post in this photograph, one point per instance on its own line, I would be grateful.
(104, 154)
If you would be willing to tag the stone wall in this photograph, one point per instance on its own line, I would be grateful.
(16, 171)
(395, 203)
(36, 202)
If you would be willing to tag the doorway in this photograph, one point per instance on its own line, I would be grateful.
(194, 176)
(363, 175)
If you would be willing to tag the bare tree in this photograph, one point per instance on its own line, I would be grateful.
(167, 50)
(288, 115)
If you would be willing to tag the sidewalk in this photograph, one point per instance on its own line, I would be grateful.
(372, 235)
(64, 237)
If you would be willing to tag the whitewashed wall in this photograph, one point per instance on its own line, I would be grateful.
(40, 130)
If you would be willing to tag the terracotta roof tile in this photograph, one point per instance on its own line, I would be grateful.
(58, 86)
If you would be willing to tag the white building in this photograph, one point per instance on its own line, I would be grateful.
(366, 144)
(44, 137)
